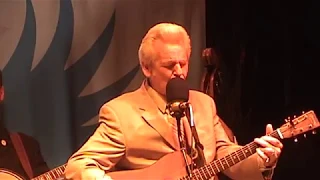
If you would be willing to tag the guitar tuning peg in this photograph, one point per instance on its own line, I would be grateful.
(295, 140)
(305, 135)
(314, 132)
(302, 112)
(294, 116)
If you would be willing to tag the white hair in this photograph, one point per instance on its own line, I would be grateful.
(165, 32)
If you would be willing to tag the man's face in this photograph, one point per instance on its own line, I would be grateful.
(172, 61)
(1, 93)
(1, 107)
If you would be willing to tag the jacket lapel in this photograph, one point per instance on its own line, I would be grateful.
(154, 117)
(159, 124)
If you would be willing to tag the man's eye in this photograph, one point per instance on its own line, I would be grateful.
(170, 66)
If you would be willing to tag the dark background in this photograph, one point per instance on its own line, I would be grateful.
(278, 76)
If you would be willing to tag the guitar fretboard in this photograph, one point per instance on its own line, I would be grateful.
(52, 174)
(216, 166)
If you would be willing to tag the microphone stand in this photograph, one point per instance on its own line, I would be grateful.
(178, 115)
(200, 158)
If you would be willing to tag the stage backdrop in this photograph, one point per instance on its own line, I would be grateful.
(62, 60)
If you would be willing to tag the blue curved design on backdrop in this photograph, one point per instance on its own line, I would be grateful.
(16, 74)
(47, 98)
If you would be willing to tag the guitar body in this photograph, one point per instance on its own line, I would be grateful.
(9, 175)
(171, 166)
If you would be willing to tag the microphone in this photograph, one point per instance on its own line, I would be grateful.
(177, 94)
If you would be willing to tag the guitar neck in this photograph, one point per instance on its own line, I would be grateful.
(52, 174)
(219, 165)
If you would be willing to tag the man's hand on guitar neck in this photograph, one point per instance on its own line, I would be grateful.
(270, 149)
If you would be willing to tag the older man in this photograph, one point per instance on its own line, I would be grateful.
(135, 129)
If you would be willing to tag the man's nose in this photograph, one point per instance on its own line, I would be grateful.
(178, 70)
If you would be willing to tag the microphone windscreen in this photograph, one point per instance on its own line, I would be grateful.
(177, 90)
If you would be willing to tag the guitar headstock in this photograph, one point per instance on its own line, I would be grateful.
(306, 122)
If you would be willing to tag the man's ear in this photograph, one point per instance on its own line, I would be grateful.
(146, 70)
(1, 93)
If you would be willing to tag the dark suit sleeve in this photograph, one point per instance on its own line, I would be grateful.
(38, 164)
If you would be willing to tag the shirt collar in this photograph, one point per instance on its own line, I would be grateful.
(159, 99)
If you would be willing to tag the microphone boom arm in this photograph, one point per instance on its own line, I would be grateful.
(199, 158)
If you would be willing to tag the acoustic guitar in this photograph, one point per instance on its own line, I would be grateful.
(172, 166)
(54, 174)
